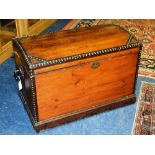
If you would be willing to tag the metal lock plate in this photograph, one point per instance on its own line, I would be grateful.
(95, 65)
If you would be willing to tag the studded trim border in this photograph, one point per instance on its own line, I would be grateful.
(45, 63)
(50, 33)
(34, 99)
(24, 53)
(129, 40)
(137, 68)
(32, 78)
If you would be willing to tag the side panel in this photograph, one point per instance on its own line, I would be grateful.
(26, 83)
(80, 87)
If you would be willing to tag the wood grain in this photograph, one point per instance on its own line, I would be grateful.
(40, 26)
(70, 42)
(82, 61)
(85, 113)
(25, 80)
(6, 52)
(70, 90)
(22, 27)
(81, 87)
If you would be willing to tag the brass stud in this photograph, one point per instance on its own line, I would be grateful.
(100, 52)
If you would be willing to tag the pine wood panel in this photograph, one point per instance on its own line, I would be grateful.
(6, 36)
(6, 51)
(81, 87)
(22, 27)
(77, 62)
(40, 26)
(70, 42)
(69, 90)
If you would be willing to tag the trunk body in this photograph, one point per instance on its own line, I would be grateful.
(71, 74)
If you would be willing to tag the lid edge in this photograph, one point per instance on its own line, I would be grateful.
(23, 51)
(45, 63)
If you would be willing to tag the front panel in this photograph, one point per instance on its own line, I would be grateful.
(79, 87)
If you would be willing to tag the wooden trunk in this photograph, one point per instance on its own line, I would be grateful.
(63, 76)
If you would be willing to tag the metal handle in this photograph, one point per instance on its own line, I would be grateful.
(19, 73)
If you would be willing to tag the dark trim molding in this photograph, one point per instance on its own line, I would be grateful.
(84, 113)
(34, 114)
(44, 63)
(88, 54)
(26, 107)
(34, 96)
(137, 67)
(39, 125)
